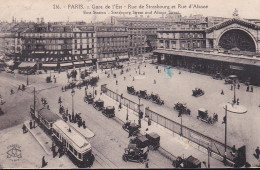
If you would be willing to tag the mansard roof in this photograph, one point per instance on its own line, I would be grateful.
(233, 21)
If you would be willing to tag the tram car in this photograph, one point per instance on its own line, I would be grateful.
(65, 136)
(77, 147)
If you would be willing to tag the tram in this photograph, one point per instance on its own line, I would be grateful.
(77, 147)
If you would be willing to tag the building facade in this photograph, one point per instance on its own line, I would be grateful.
(142, 34)
(180, 38)
(111, 41)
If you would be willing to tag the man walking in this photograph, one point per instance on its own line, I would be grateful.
(44, 163)
(257, 153)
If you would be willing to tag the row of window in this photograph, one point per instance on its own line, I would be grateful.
(79, 155)
(46, 35)
(84, 35)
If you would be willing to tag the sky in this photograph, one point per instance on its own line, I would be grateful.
(29, 10)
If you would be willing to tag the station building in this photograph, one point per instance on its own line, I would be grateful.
(230, 47)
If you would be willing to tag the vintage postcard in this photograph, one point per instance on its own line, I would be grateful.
(106, 84)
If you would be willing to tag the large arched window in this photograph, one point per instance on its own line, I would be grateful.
(237, 39)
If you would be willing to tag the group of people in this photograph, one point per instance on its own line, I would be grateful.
(44, 102)
(21, 87)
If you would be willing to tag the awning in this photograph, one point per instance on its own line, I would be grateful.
(10, 63)
(88, 62)
(26, 65)
(65, 64)
(79, 63)
(49, 65)
(212, 56)
(123, 57)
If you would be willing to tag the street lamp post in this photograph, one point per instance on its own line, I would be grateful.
(93, 91)
(126, 111)
(229, 107)
(139, 110)
(27, 81)
(208, 157)
(181, 125)
(72, 94)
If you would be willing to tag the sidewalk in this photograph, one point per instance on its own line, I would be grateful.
(41, 137)
(171, 142)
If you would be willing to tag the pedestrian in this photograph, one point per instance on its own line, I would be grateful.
(24, 128)
(222, 92)
(234, 150)
(120, 106)
(231, 88)
(116, 82)
(65, 88)
(158, 71)
(237, 101)
(48, 107)
(83, 124)
(70, 117)
(257, 153)
(154, 82)
(149, 121)
(44, 163)
(33, 123)
(19, 87)
(179, 72)
(95, 92)
(133, 78)
(42, 100)
(30, 124)
(252, 89)
(67, 111)
(124, 77)
(238, 86)
(62, 89)
(224, 120)
(247, 88)
(147, 163)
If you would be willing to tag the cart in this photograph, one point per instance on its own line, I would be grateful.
(131, 90)
(197, 92)
(143, 94)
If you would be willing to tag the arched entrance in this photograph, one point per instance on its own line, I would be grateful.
(236, 39)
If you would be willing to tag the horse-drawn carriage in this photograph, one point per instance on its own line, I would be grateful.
(99, 105)
(143, 94)
(89, 98)
(156, 99)
(181, 108)
(197, 92)
(109, 111)
(203, 116)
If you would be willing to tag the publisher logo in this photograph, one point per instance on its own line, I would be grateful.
(14, 152)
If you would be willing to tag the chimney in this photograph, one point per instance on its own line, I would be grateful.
(42, 20)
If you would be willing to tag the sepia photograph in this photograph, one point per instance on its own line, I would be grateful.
(129, 84)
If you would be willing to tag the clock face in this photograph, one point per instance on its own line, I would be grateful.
(237, 40)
